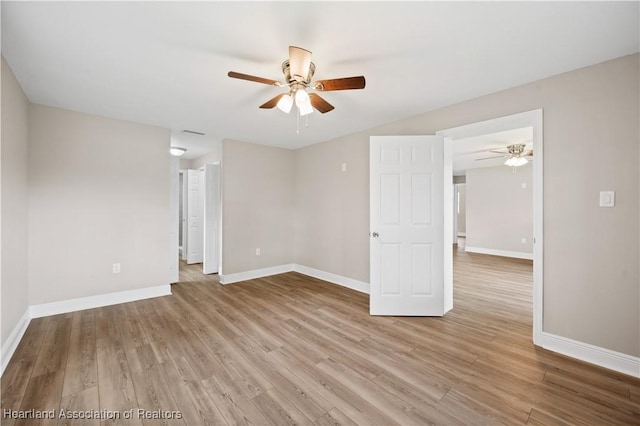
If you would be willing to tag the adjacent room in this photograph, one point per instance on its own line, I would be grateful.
(366, 213)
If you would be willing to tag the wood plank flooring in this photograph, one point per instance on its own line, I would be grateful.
(290, 349)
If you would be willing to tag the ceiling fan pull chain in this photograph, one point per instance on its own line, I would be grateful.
(297, 121)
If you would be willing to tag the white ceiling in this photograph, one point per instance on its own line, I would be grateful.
(166, 63)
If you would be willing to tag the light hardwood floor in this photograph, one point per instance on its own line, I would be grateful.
(290, 349)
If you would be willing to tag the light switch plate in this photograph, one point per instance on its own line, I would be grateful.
(607, 198)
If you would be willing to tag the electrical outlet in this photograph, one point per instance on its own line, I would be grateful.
(258, 252)
(116, 268)
(344, 167)
(523, 240)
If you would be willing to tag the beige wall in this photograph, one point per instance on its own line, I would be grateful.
(215, 156)
(461, 219)
(93, 202)
(184, 164)
(211, 157)
(14, 202)
(332, 208)
(591, 143)
(258, 205)
(499, 211)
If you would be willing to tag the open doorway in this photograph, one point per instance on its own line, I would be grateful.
(459, 208)
(532, 122)
(198, 206)
(493, 199)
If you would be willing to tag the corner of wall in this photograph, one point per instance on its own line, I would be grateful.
(13, 205)
(11, 343)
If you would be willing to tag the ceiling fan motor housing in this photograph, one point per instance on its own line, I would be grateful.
(516, 149)
(286, 70)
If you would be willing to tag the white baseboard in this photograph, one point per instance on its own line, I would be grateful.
(333, 278)
(583, 351)
(281, 269)
(255, 273)
(602, 357)
(504, 253)
(592, 354)
(82, 303)
(13, 340)
(72, 305)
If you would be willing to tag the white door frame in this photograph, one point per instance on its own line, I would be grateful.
(183, 200)
(524, 119)
(211, 249)
(454, 234)
(174, 268)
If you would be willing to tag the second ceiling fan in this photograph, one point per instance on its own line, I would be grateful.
(298, 71)
(516, 155)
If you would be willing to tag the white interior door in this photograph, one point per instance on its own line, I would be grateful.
(184, 217)
(195, 213)
(211, 218)
(407, 225)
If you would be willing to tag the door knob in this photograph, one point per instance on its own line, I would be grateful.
(375, 235)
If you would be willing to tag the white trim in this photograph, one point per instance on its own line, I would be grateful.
(13, 340)
(592, 354)
(536, 118)
(602, 357)
(505, 253)
(462, 234)
(72, 305)
(82, 303)
(305, 270)
(449, 224)
(533, 118)
(255, 273)
(356, 285)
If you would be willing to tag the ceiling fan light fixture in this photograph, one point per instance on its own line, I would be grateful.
(305, 109)
(285, 103)
(302, 98)
(177, 151)
(303, 102)
(516, 161)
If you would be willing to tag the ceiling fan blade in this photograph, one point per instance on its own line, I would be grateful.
(499, 152)
(489, 158)
(347, 83)
(319, 103)
(248, 77)
(272, 102)
(299, 63)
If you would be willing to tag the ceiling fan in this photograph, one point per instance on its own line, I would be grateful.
(298, 71)
(516, 155)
